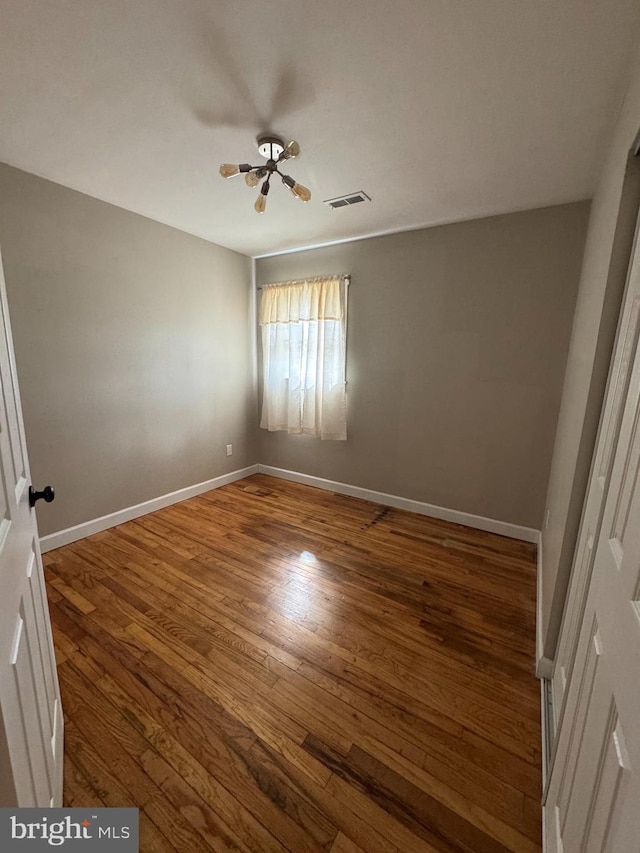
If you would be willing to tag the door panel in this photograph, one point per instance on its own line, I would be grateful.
(572, 623)
(25, 702)
(589, 674)
(619, 387)
(608, 790)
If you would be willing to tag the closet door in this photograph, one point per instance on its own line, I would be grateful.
(593, 800)
(617, 387)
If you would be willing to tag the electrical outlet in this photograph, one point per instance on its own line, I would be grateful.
(229, 449)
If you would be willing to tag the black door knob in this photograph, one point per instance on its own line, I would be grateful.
(47, 494)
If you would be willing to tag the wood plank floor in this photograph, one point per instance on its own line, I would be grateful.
(271, 667)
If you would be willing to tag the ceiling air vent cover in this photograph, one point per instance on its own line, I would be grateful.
(345, 200)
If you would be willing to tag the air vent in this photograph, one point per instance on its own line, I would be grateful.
(346, 200)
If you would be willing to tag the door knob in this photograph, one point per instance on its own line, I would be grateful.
(47, 494)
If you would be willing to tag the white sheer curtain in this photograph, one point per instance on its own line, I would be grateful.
(303, 357)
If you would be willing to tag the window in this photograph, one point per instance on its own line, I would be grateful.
(303, 325)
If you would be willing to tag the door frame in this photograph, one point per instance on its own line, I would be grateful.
(626, 243)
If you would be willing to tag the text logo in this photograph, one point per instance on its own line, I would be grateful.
(104, 830)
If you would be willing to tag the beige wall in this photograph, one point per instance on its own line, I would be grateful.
(457, 345)
(133, 345)
(610, 234)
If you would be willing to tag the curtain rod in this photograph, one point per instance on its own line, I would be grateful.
(346, 277)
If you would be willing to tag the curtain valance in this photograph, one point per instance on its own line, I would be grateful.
(308, 299)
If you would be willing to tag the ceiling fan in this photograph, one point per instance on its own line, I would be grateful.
(273, 149)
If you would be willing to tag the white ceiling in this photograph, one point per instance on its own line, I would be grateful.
(440, 110)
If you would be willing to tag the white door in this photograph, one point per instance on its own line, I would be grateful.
(617, 387)
(30, 711)
(593, 799)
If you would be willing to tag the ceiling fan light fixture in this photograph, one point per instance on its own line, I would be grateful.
(274, 150)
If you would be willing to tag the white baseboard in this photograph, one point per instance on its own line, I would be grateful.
(79, 531)
(504, 528)
(87, 528)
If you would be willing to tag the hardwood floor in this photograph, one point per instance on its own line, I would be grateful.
(271, 667)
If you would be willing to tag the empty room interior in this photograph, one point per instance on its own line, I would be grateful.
(319, 433)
